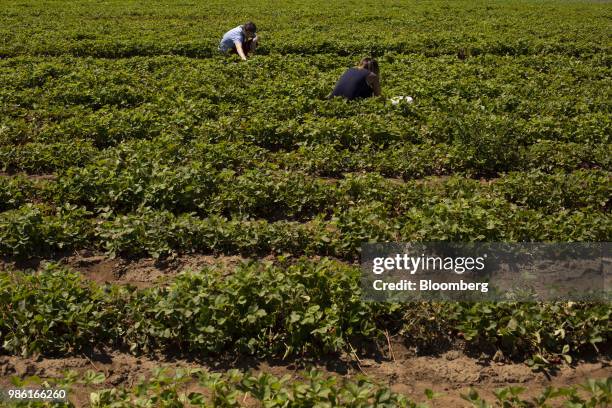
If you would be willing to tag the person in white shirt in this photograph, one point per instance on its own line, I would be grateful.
(241, 40)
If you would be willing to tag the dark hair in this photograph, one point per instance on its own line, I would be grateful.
(250, 27)
(370, 64)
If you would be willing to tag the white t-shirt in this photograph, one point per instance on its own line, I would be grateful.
(231, 38)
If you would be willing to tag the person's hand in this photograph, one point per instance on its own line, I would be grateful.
(240, 51)
(254, 44)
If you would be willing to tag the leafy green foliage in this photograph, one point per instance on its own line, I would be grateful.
(144, 201)
(39, 157)
(15, 191)
(555, 329)
(200, 388)
(53, 312)
(438, 28)
(35, 229)
(259, 309)
(598, 394)
(159, 146)
(298, 309)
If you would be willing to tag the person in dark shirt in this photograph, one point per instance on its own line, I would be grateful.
(361, 81)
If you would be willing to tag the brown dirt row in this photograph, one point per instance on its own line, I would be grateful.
(451, 374)
(141, 272)
(138, 272)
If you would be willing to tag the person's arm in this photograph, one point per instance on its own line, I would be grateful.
(374, 83)
(239, 50)
(254, 44)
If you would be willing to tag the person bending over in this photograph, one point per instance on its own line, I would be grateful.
(361, 81)
(241, 40)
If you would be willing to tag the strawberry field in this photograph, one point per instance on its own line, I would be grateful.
(127, 139)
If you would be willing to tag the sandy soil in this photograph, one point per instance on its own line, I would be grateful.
(146, 271)
(142, 272)
(451, 374)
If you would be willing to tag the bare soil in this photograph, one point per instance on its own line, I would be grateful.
(145, 271)
(451, 374)
(141, 272)
(34, 177)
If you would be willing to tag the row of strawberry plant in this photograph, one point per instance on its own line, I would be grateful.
(136, 175)
(409, 161)
(444, 44)
(292, 308)
(478, 135)
(477, 218)
(110, 101)
(480, 130)
(285, 123)
(257, 310)
(18, 190)
(36, 230)
(229, 389)
(200, 388)
(406, 160)
(409, 211)
(528, 87)
(243, 180)
(40, 158)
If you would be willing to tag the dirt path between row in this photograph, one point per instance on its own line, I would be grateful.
(138, 272)
(451, 374)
